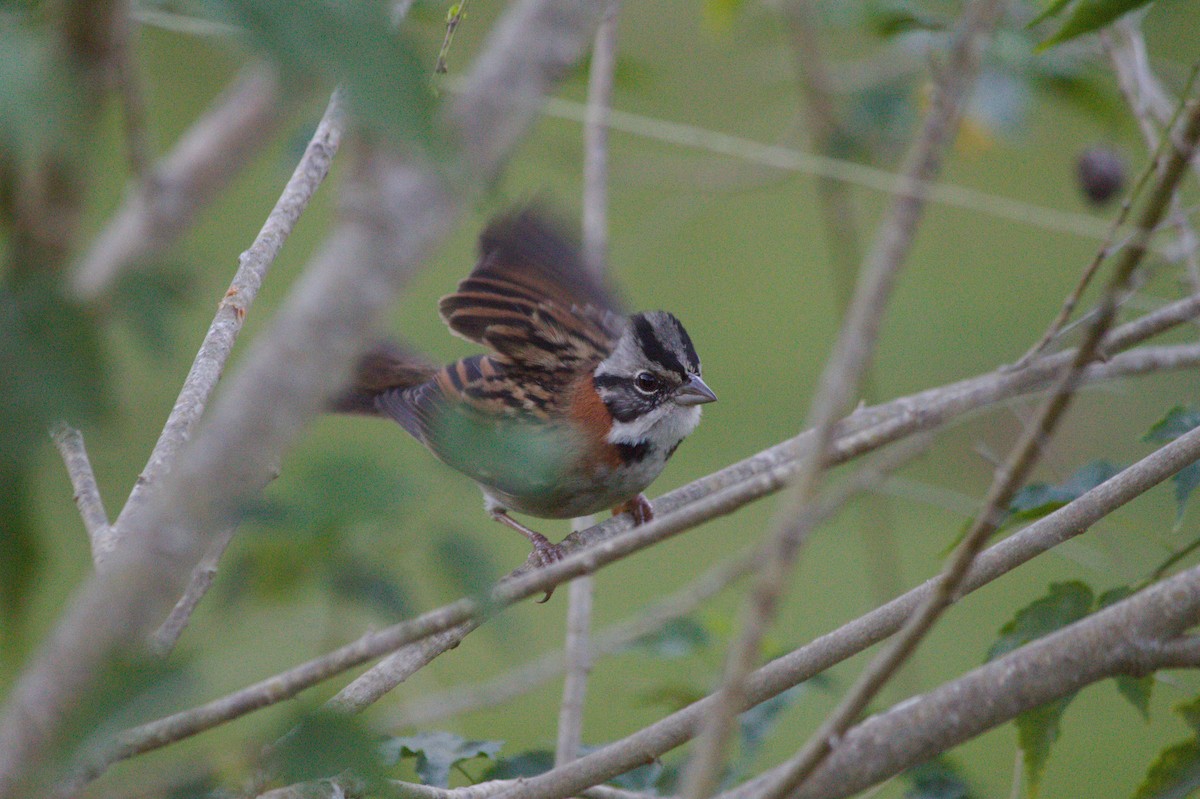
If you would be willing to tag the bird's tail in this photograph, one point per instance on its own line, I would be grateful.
(387, 365)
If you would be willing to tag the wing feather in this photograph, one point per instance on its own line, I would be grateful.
(531, 299)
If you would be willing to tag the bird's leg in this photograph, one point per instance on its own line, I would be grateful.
(544, 553)
(638, 507)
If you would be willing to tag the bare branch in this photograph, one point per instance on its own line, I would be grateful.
(1008, 479)
(87, 494)
(840, 384)
(132, 93)
(165, 637)
(157, 210)
(578, 668)
(595, 140)
(287, 376)
(222, 334)
(433, 707)
(854, 637)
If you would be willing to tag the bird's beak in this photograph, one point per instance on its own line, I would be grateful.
(694, 392)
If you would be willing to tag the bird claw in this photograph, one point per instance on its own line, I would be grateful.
(638, 507)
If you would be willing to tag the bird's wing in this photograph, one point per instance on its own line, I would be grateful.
(532, 300)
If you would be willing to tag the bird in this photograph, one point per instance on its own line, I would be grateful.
(575, 408)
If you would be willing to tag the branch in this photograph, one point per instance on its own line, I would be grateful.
(717, 494)
(87, 494)
(159, 209)
(463, 698)
(1025, 454)
(854, 637)
(253, 266)
(132, 93)
(840, 384)
(286, 377)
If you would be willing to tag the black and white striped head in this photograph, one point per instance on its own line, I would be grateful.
(651, 382)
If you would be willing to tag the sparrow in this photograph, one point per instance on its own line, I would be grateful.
(575, 408)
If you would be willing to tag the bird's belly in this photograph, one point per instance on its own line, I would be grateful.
(580, 492)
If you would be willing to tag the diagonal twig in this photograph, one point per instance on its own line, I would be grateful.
(1008, 479)
(87, 494)
(839, 384)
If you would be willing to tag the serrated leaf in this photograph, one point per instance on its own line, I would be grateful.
(675, 639)
(1037, 730)
(755, 724)
(1063, 604)
(1179, 420)
(1039, 499)
(437, 753)
(642, 779)
(1186, 480)
(1136, 690)
(524, 764)
(321, 744)
(936, 779)
(1175, 774)
(1089, 16)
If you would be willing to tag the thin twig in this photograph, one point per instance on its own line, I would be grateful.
(578, 668)
(287, 376)
(156, 211)
(854, 637)
(457, 12)
(165, 637)
(424, 710)
(87, 494)
(1009, 478)
(880, 552)
(717, 494)
(839, 386)
(1085, 279)
(132, 93)
(595, 140)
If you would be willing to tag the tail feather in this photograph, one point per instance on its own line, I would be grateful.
(384, 367)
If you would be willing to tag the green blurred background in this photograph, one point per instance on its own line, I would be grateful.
(737, 250)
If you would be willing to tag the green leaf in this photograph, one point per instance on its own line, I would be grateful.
(1039, 499)
(1175, 774)
(149, 299)
(888, 19)
(1037, 730)
(755, 724)
(676, 639)
(1179, 420)
(349, 44)
(719, 15)
(1186, 480)
(1053, 10)
(1063, 604)
(361, 581)
(1136, 690)
(468, 565)
(1089, 16)
(936, 779)
(1190, 712)
(21, 557)
(437, 753)
(524, 764)
(321, 744)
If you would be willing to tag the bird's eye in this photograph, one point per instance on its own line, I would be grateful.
(646, 383)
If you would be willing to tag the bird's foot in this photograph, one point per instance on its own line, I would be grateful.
(544, 553)
(638, 507)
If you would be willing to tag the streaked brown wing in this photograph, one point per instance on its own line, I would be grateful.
(531, 299)
(479, 386)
